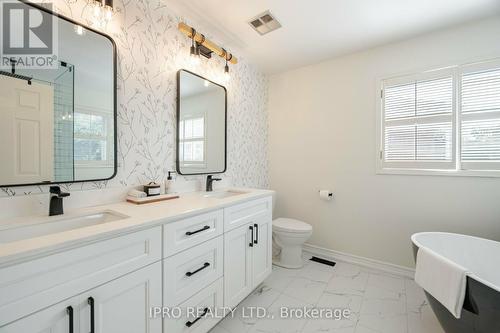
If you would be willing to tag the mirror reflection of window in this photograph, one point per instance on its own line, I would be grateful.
(93, 141)
(91, 137)
(192, 141)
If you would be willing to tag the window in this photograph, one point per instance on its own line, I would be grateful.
(192, 141)
(444, 121)
(92, 131)
(480, 117)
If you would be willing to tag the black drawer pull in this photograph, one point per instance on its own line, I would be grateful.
(205, 265)
(69, 311)
(251, 239)
(90, 301)
(191, 323)
(189, 233)
(256, 226)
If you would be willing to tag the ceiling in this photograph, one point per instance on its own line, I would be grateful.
(317, 30)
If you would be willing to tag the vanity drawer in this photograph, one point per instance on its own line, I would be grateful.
(190, 271)
(241, 214)
(183, 234)
(38, 283)
(211, 298)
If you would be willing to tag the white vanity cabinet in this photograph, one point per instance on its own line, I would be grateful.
(58, 318)
(247, 249)
(115, 307)
(191, 271)
(205, 261)
(35, 284)
(247, 259)
(186, 233)
(221, 271)
(237, 265)
(196, 321)
(122, 305)
(262, 250)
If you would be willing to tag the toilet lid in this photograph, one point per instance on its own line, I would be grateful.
(290, 225)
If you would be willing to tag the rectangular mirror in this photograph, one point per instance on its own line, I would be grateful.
(201, 125)
(58, 122)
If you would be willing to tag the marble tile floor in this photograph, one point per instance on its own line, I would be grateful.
(378, 302)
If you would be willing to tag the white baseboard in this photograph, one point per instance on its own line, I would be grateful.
(362, 261)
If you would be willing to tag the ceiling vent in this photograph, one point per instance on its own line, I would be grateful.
(264, 23)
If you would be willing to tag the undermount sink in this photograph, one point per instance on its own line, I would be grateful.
(223, 194)
(52, 225)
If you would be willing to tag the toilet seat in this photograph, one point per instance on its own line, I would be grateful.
(291, 226)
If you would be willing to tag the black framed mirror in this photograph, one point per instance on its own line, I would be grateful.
(201, 125)
(57, 119)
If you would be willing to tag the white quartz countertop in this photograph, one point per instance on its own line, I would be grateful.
(138, 217)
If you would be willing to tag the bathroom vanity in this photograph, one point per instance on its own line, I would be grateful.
(102, 269)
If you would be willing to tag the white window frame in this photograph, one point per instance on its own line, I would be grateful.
(195, 164)
(108, 117)
(434, 168)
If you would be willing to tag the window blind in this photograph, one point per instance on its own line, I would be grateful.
(481, 91)
(418, 121)
(480, 118)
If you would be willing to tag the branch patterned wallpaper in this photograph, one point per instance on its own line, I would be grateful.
(150, 51)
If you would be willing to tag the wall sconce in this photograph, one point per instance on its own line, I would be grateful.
(202, 46)
(226, 67)
(103, 12)
(194, 51)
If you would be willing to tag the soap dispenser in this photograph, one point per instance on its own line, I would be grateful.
(170, 180)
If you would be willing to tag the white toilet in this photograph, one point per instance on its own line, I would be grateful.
(288, 237)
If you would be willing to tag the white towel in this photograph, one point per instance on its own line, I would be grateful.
(137, 194)
(442, 278)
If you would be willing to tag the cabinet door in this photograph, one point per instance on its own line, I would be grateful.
(237, 265)
(261, 251)
(58, 318)
(123, 305)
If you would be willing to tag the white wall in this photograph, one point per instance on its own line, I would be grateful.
(322, 135)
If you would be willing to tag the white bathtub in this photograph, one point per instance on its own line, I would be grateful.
(481, 310)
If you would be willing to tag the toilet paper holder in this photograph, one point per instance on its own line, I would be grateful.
(325, 194)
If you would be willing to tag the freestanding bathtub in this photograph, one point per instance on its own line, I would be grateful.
(481, 309)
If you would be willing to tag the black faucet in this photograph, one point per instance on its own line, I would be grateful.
(56, 201)
(210, 180)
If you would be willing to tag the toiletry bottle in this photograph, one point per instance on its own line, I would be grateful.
(169, 182)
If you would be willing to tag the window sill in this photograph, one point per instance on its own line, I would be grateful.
(431, 172)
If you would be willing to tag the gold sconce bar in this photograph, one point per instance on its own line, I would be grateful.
(188, 31)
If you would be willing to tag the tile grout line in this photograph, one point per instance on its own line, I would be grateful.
(406, 308)
(363, 298)
(322, 294)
